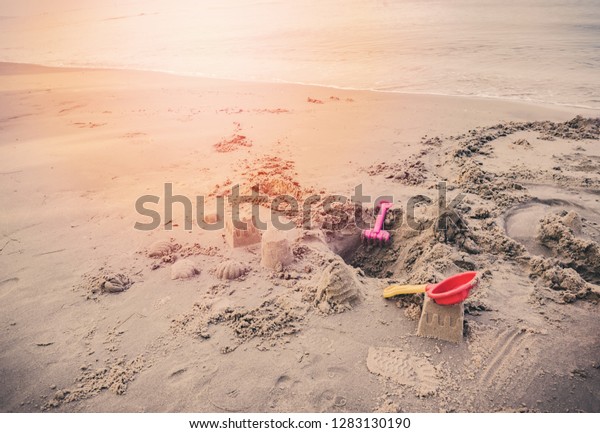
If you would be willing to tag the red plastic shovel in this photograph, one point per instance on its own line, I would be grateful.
(450, 291)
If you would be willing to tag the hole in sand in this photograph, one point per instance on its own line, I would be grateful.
(372, 258)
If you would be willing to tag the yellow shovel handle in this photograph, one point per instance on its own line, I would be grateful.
(395, 290)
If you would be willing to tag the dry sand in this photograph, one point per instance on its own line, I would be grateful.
(98, 316)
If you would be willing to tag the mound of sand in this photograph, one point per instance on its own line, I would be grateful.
(565, 280)
(338, 288)
(273, 319)
(113, 377)
(234, 142)
(408, 172)
(558, 233)
(272, 176)
(104, 281)
(574, 266)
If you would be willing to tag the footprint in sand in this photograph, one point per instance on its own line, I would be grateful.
(231, 399)
(329, 401)
(282, 392)
(238, 391)
(404, 369)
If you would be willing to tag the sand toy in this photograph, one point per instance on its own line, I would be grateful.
(444, 322)
(450, 291)
(377, 234)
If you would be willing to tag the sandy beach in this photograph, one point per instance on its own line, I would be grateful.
(98, 316)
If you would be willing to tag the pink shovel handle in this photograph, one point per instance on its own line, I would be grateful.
(384, 207)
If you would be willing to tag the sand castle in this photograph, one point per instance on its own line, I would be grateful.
(444, 322)
(237, 237)
(275, 250)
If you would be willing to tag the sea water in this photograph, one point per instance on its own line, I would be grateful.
(537, 50)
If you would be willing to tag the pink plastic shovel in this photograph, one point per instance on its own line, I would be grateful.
(377, 234)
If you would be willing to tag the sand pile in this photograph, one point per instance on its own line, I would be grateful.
(267, 178)
(273, 320)
(491, 238)
(116, 283)
(578, 128)
(559, 233)
(475, 180)
(198, 250)
(272, 176)
(113, 377)
(338, 224)
(338, 288)
(574, 266)
(451, 228)
(104, 281)
(234, 142)
(410, 171)
(565, 280)
(168, 252)
(195, 322)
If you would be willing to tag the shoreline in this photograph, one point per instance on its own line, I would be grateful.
(536, 103)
